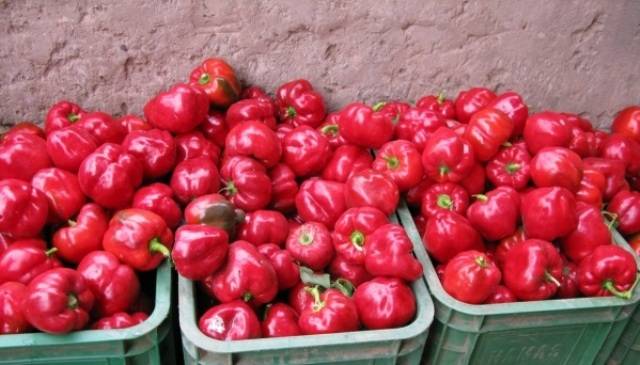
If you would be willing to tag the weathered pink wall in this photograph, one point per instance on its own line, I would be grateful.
(579, 56)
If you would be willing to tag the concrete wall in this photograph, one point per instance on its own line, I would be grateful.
(578, 56)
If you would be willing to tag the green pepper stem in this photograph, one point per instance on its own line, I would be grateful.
(551, 279)
(291, 112)
(246, 297)
(204, 79)
(51, 251)
(392, 162)
(156, 246)
(73, 117)
(229, 188)
(444, 201)
(72, 301)
(610, 218)
(440, 98)
(330, 129)
(443, 170)
(306, 238)
(512, 168)
(608, 284)
(318, 304)
(481, 260)
(71, 223)
(379, 105)
(481, 197)
(357, 239)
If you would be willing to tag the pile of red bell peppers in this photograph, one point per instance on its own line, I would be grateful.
(280, 210)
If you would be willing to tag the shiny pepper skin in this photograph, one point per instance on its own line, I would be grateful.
(352, 230)
(548, 213)
(199, 250)
(389, 252)
(193, 145)
(214, 128)
(158, 198)
(155, 148)
(533, 269)
(297, 103)
(306, 151)
(120, 320)
(68, 147)
(321, 201)
(331, 312)
(193, 178)
(259, 109)
(356, 274)
(439, 104)
(218, 80)
(230, 321)
(102, 127)
(592, 231)
(360, 125)
(627, 122)
(26, 259)
(569, 281)
(502, 294)
(256, 140)
(287, 270)
(470, 101)
(626, 205)
(487, 130)
(557, 166)
(447, 157)
(62, 190)
(608, 270)
(444, 196)
(495, 214)
(417, 125)
(385, 303)
(311, 244)
(511, 104)
(62, 114)
(280, 320)
(346, 161)
(449, 233)
(592, 187)
(264, 226)
(471, 277)
(546, 129)
(245, 183)
(23, 209)
(371, 188)
(82, 235)
(331, 130)
(18, 148)
(178, 110)
(401, 162)
(12, 319)
(133, 123)
(510, 167)
(284, 188)
(613, 171)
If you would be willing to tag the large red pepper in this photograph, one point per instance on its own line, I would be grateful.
(401, 162)
(214, 128)
(245, 183)
(362, 126)
(102, 127)
(495, 214)
(311, 244)
(115, 286)
(306, 151)
(592, 187)
(502, 294)
(23, 209)
(287, 270)
(608, 270)
(138, 238)
(547, 129)
(449, 233)
(68, 147)
(158, 198)
(321, 201)
(445, 196)
(284, 188)
(506, 244)
(371, 188)
(26, 259)
(62, 114)
(178, 110)
(438, 103)
(471, 277)
(155, 148)
(510, 167)
(230, 322)
(613, 171)
(331, 312)
(133, 123)
(110, 176)
(82, 235)
(533, 269)
(120, 320)
(346, 161)
(280, 320)
(193, 178)
(255, 109)
(218, 80)
(627, 122)
(389, 252)
(12, 319)
(264, 226)
(569, 281)
(356, 274)
(62, 190)
(22, 155)
(256, 140)
(297, 103)
(352, 230)
(331, 130)
(199, 250)
(385, 303)
(417, 125)
(549, 213)
(447, 157)
(247, 275)
(623, 148)
(592, 231)
(511, 104)
(487, 130)
(214, 210)
(193, 145)
(626, 205)
(470, 101)
(557, 166)
(58, 301)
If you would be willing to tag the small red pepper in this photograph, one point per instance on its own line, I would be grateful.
(230, 322)
(352, 230)
(62, 190)
(488, 129)
(287, 270)
(392, 109)
(362, 126)
(470, 101)
(311, 245)
(608, 270)
(321, 201)
(627, 122)
(623, 148)
(438, 103)
(214, 128)
(557, 166)
(389, 252)
(506, 244)
(533, 269)
(613, 171)
(385, 303)
(592, 231)
(253, 92)
(511, 104)
(417, 125)
(346, 161)
(284, 188)
(297, 103)
(548, 213)
(445, 196)
(199, 250)
(401, 162)
(158, 198)
(62, 114)
(25, 127)
(254, 139)
(510, 167)
(218, 80)
(255, 109)
(371, 188)
(502, 294)
(331, 130)
(155, 148)
(245, 183)
(213, 210)
(82, 236)
(471, 277)
(102, 127)
(547, 129)
(449, 233)
(23, 209)
(193, 145)
(300, 297)
(68, 147)
(58, 301)
(569, 281)
(447, 157)
(331, 312)
(264, 226)
(120, 320)
(306, 151)
(495, 214)
(133, 123)
(138, 238)
(626, 205)
(193, 178)
(178, 110)
(356, 274)
(115, 286)
(280, 320)
(592, 187)
(12, 319)
(22, 155)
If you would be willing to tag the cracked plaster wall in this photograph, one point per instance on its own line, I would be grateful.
(578, 56)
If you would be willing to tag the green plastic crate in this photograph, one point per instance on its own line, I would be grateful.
(144, 344)
(400, 346)
(564, 331)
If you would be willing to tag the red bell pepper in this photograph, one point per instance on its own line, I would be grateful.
(506, 244)
(546, 129)
(470, 101)
(193, 178)
(120, 320)
(471, 277)
(449, 233)
(487, 130)
(321, 201)
(264, 226)
(331, 312)
(62, 190)
(284, 188)
(282, 130)
(557, 166)
(389, 252)
(533, 269)
(287, 270)
(214, 210)
(300, 298)
(256, 140)
(569, 281)
(352, 230)
(502, 294)
(445, 196)
(110, 176)
(193, 145)
(417, 125)
(331, 130)
(627, 122)
(510, 167)
(623, 148)
(26, 259)
(584, 143)
(22, 155)
(138, 238)
(218, 80)
(311, 245)
(247, 275)
(23, 209)
(115, 286)
(68, 147)
(391, 109)
(439, 104)
(82, 235)
(608, 270)
(280, 320)
(495, 214)
(133, 123)
(62, 114)
(592, 231)
(306, 151)
(548, 213)
(12, 319)
(297, 103)
(58, 301)
(246, 183)
(230, 321)
(385, 303)
(158, 198)
(255, 109)
(155, 148)
(199, 250)
(401, 162)
(613, 171)
(511, 104)
(371, 188)
(25, 127)
(362, 126)
(592, 187)
(178, 110)
(252, 92)
(447, 157)
(626, 205)
(214, 128)
(356, 274)
(102, 127)
(346, 161)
